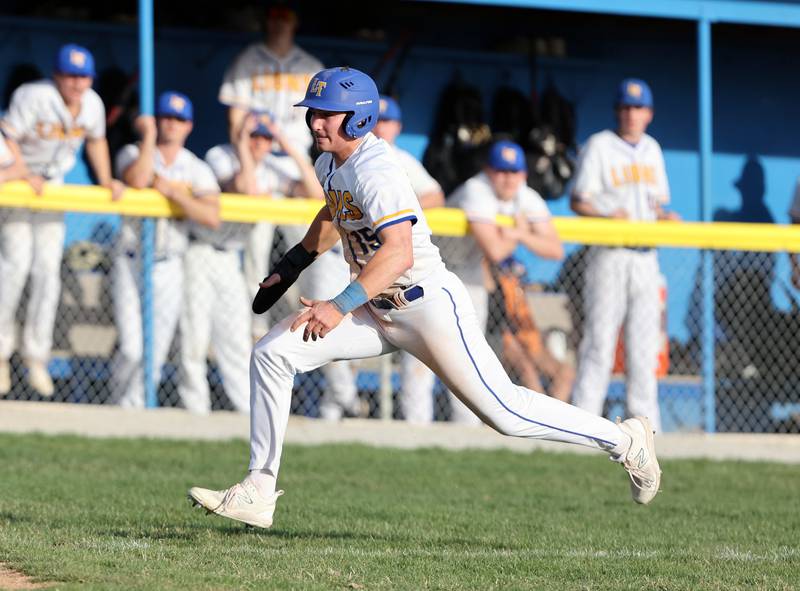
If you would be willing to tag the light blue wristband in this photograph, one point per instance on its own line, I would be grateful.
(351, 298)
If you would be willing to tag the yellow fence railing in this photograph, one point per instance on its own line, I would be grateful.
(444, 221)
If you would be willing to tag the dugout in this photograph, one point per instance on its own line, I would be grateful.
(526, 45)
(730, 154)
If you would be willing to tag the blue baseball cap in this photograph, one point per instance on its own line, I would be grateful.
(174, 104)
(261, 125)
(389, 110)
(507, 156)
(633, 92)
(74, 60)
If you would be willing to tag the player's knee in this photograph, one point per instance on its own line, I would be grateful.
(268, 355)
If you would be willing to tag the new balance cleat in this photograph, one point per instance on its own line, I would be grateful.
(640, 461)
(242, 502)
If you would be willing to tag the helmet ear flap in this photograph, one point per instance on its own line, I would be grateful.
(346, 125)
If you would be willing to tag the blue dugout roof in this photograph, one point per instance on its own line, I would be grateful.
(777, 14)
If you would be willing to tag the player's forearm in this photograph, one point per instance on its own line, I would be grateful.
(141, 173)
(204, 210)
(385, 267)
(585, 208)
(235, 121)
(322, 234)
(309, 184)
(431, 199)
(14, 171)
(99, 158)
(547, 247)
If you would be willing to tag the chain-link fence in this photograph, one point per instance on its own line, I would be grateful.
(536, 328)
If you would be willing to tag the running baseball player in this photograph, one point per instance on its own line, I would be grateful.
(162, 162)
(501, 189)
(621, 175)
(402, 297)
(46, 124)
(417, 380)
(215, 310)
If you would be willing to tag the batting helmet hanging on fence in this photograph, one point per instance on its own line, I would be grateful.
(344, 90)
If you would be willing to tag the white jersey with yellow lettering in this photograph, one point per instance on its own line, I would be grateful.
(258, 79)
(187, 170)
(368, 193)
(48, 136)
(481, 204)
(621, 284)
(613, 174)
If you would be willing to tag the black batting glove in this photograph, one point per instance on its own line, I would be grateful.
(289, 269)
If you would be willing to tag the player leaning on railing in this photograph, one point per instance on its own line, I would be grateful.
(402, 297)
(45, 126)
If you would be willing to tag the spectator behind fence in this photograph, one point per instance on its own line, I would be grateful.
(417, 380)
(621, 175)
(160, 161)
(45, 125)
(501, 189)
(271, 76)
(218, 291)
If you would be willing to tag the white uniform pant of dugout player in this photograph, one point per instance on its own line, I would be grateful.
(441, 328)
(32, 244)
(215, 312)
(620, 280)
(127, 374)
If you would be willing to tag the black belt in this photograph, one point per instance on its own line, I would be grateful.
(399, 300)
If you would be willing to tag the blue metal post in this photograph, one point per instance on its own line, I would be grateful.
(146, 107)
(704, 84)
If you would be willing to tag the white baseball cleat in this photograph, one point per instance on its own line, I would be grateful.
(640, 461)
(39, 378)
(241, 502)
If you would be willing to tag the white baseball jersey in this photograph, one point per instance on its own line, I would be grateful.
(260, 80)
(481, 204)
(270, 180)
(6, 157)
(421, 181)
(48, 136)
(188, 170)
(371, 192)
(611, 173)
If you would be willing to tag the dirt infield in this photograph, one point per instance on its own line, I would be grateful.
(169, 423)
(11, 579)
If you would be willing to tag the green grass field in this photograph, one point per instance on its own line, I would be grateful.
(112, 514)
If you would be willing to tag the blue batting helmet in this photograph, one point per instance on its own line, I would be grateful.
(344, 90)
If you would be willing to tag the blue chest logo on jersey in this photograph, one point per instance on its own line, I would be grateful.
(341, 206)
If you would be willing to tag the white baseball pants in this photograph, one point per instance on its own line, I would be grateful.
(31, 243)
(442, 330)
(127, 370)
(621, 286)
(215, 312)
(416, 395)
